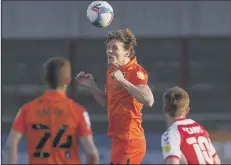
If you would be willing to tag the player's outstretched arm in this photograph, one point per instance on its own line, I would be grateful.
(87, 80)
(11, 147)
(90, 149)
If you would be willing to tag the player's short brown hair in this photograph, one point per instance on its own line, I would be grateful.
(126, 36)
(176, 100)
(52, 70)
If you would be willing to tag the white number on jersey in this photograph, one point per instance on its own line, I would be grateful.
(202, 148)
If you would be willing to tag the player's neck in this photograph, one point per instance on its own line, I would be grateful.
(173, 120)
(170, 122)
(124, 62)
(128, 59)
(59, 89)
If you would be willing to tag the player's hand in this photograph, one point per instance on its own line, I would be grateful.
(118, 76)
(86, 80)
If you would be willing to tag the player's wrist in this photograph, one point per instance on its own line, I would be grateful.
(93, 88)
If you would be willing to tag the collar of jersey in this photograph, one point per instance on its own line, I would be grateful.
(129, 64)
(53, 93)
(179, 119)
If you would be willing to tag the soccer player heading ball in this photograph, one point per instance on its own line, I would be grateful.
(126, 92)
(185, 141)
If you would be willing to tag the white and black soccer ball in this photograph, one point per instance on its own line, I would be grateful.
(100, 13)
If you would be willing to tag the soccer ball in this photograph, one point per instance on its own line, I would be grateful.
(100, 13)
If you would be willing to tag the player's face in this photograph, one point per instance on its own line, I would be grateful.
(116, 52)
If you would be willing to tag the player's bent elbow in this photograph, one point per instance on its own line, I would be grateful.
(93, 152)
(90, 149)
(10, 144)
(150, 102)
(93, 158)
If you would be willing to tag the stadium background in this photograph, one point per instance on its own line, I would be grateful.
(180, 43)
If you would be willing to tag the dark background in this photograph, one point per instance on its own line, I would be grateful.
(200, 65)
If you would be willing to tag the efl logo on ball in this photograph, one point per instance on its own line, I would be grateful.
(100, 13)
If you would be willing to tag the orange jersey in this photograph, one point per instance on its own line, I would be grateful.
(53, 124)
(124, 111)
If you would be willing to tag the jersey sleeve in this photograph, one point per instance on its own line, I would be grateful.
(19, 123)
(212, 149)
(170, 143)
(139, 77)
(85, 124)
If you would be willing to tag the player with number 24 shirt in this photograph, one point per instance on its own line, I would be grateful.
(53, 123)
(185, 141)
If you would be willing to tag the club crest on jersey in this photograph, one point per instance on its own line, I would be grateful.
(167, 148)
(140, 75)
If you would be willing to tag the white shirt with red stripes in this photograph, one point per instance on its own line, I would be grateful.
(189, 142)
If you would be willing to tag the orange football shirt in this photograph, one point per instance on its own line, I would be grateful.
(53, 124)
(124, 111)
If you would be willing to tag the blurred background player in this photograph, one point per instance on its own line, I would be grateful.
(53, 123)
(127, 91)
(185, 141)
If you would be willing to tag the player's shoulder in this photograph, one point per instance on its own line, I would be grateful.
(174, 128)
(205, 132)
(76, 106)
(188, 124)
(165, 135)
(138, 71)
(29, 105)
(140, 68)
(170, 131)
(183, 122)
(110, 69)
(169, 135)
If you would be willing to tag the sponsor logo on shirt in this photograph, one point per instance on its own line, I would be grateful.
(167, 148)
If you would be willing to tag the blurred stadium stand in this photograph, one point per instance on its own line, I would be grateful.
(208, 76)
(199, 61)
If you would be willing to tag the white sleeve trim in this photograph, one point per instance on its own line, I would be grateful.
(87, 119)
